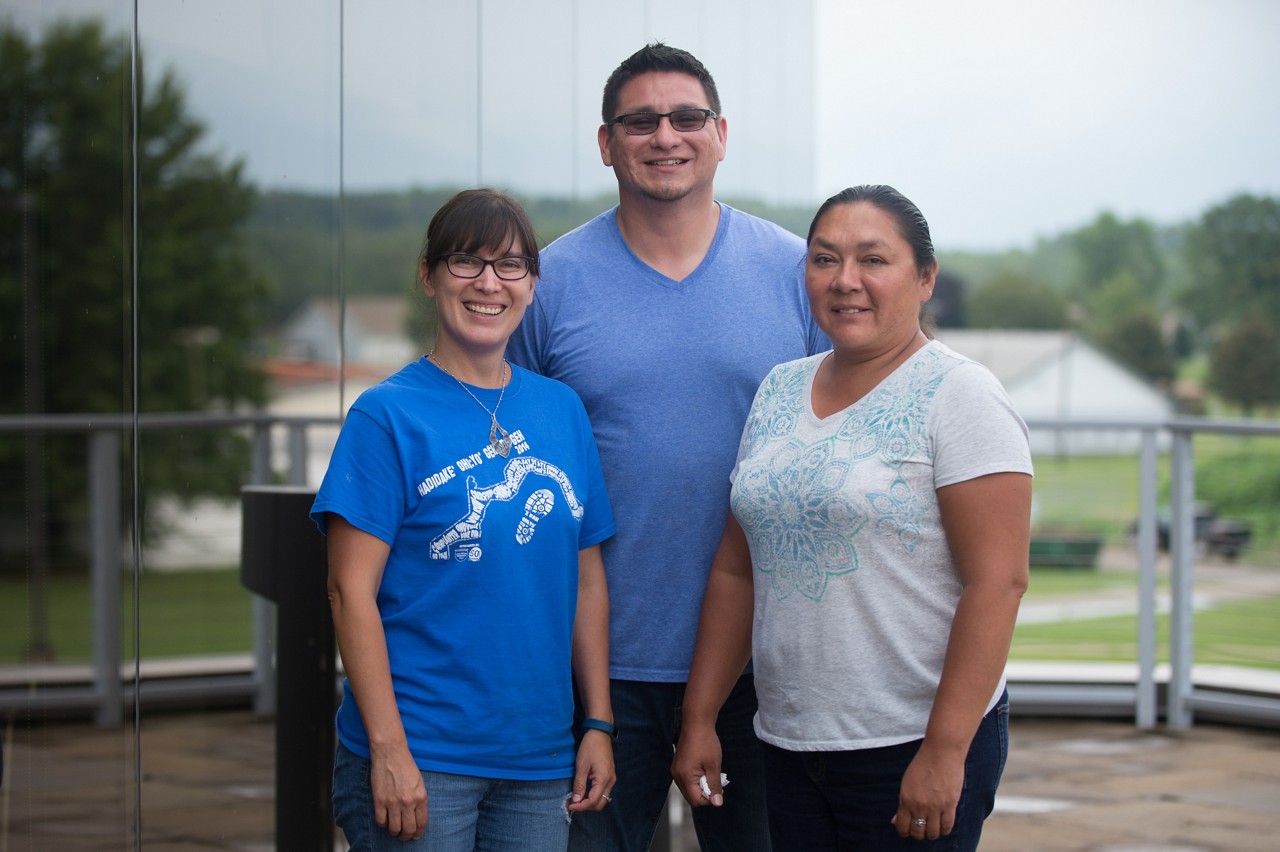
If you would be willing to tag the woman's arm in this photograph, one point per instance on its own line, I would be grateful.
(356, 562)
(722, 651)
(594, 777)
(988, 526)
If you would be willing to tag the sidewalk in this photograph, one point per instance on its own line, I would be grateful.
(208, 784)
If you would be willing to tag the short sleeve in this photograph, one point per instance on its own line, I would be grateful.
(364, 481)
(975, 429)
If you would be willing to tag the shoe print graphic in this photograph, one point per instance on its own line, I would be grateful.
(461, 540)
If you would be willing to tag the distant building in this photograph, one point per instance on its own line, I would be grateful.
(1056, 375)
(375, 333)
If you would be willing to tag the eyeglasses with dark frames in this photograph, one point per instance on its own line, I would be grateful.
(510, 268)
(644, 123)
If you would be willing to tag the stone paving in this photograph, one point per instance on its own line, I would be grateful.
(207, 783)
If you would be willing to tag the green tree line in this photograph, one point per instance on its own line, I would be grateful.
(1201, 297)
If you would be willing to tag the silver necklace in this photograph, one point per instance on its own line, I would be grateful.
(499, 440)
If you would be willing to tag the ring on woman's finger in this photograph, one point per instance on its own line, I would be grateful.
(607, 800)
(920, 822)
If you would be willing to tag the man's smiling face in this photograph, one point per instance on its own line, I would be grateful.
(666, 165)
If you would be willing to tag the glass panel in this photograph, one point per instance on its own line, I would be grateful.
(64, 447)
(1082, 603)
(1237, 586)
(240, 169)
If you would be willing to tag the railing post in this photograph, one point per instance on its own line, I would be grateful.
(1182, 522)
(1145, 704)
(105, 570)
(297, 473)
(260, 454)
(262, 609)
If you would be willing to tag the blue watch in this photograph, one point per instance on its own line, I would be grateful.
(599, 725)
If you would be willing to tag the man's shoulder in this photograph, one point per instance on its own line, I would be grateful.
(575, 259)
(760, 228)
(587, 234)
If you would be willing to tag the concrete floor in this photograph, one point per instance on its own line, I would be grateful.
(207, 783)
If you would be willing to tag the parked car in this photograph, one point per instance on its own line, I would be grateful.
(1224, 537)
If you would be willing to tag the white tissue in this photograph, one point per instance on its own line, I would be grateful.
(706, 788)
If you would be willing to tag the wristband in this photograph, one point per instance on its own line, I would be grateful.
(599, 725)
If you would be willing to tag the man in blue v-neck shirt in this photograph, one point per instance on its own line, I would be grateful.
(664, 314)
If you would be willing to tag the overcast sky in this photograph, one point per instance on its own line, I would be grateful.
(1005, 120)
(1008, 119)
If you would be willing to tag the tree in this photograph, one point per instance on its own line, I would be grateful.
(66, 176)
(1109, 247)
(1136, 341)
(1012, 301)
(1245, 364)
(1123, 323)
(1234, 258)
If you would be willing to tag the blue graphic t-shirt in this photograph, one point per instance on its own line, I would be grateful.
(480, 589)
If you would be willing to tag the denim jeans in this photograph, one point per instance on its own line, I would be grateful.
(823, 801)
(648, 720)
(464, 813)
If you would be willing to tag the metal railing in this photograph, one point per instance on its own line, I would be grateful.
(59, 687)
(101, 690)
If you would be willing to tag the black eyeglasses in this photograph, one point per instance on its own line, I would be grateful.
(510, 268)
(644, 123)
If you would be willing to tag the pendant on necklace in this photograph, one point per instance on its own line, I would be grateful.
(499, 439)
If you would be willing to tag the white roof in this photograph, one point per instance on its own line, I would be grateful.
(1057, 375)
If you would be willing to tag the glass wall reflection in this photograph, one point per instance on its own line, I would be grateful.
(215, 255)
(67, 345)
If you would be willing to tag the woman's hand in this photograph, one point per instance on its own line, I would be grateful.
(399, 796)
(356, 562)
(698, 755)
(595, 776)
(987, 522)
(930, 791)
(721, 653)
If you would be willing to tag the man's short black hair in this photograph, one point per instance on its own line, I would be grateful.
(656, 57)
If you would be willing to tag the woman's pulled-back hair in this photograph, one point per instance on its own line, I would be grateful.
(911, 222)
(475, 219)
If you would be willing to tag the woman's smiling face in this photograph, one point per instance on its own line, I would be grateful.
(478, 314)
(863, 285)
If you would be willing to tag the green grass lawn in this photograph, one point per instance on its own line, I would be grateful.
(1240, 476)
(182, 613)
(208, 612)
(1243, 633)
(1049, 582)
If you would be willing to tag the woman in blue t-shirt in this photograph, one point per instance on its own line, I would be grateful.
(464, 507)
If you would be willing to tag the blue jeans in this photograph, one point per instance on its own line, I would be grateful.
(823, 801)
(648, 720)
(464, 813)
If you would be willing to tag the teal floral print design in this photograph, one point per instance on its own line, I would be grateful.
(782, 399)
(898, 513)
(794, 499)
(799, 519)
(889, 423)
